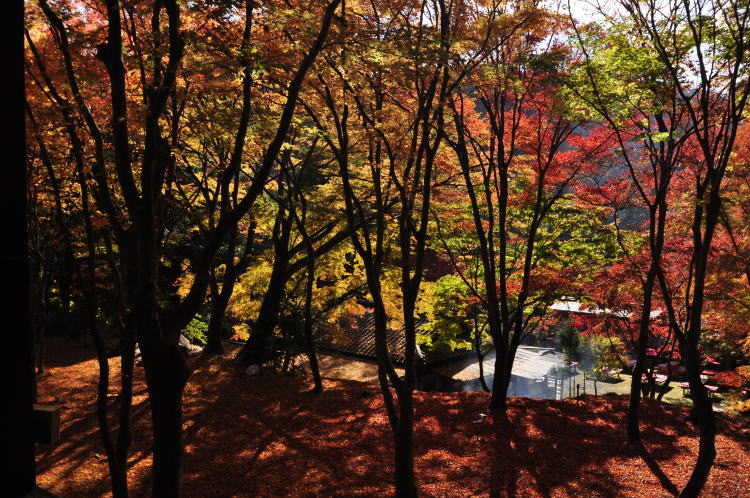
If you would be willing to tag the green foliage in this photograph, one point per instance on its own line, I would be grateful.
(575, 237)
(619, 74)
(453, 317)
(196, 330)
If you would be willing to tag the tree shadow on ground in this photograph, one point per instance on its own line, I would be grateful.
(270, 436)
(577, 448)
(268, 433)
(653, 466)
(77, 466)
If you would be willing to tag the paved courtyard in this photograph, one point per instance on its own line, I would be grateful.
(531, 364)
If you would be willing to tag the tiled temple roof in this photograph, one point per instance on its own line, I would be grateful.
(357, 338)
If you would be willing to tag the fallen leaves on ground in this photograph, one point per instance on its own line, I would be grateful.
(270, 436)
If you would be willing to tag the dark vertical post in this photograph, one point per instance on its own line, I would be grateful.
(17, 438)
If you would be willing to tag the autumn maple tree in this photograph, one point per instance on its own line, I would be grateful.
(516, 169)
(136, 204)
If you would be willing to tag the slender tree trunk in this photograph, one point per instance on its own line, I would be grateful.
(651, 376)
(703, 416)
(268, 316)
(406, 485)
(633, 430)
(34, 372)
(482, 381)
(117, 474)
(503, 376)
(664, 387)
(480, 357)
(39, 353)
(265, 324)
(310, 341)
(124, 435)
(499, 399)
(219, 302)
(287, 354)
(64, 283)
(220, 299)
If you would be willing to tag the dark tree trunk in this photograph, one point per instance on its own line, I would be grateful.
(482, 381)
(39, 353)
(309, 339)
(480, 356)
(166, 374)
(633, 430)
(216, 322)
(124, 435)
(503, 376)
(64, 283)
(117, 474)
(702, 415)
(406, 485)
(664, 386)
(497, 400)
(313, 359)
(500, 384)
(309, 286)
(268, 316)
(265, 324)
(286, 363)
(220, 299)
(38, 314)
(165, 366)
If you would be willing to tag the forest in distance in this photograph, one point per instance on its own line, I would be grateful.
(268, 177)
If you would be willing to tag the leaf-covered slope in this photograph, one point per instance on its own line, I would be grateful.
(269, 436)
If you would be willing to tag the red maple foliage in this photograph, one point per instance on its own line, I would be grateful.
(730, 379)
